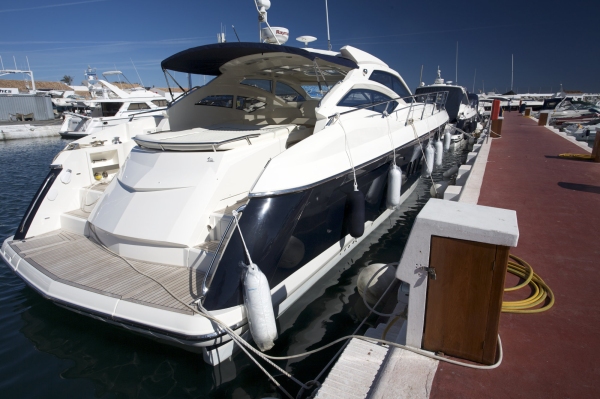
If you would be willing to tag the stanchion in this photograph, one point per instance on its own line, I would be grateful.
(596, 149)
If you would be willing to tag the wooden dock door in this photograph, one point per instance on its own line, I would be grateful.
(464, 300)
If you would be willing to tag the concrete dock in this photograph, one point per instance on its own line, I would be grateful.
(551, 354)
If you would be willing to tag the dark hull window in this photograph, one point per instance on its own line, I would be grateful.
(390, 81)
(358, 98)
(110, 109)
(284, 233)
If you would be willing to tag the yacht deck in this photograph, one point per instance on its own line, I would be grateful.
(80, 262)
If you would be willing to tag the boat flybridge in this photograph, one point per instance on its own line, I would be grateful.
(110, 105)
(137, 225)
(462, 107)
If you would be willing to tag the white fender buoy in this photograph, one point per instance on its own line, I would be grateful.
(259, 308)
(447, 137)
(439, 153)
(394, 187)
(437, 190)
(377, 284)
(448, 174)
(429, 154)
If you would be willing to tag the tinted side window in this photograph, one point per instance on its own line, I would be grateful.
(390, 81)
(263, 84)
(225, 101)
(358, 98)
(136, 106)
(286, 93)
(160, 103)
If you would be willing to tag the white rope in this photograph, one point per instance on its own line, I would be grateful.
(235, 215)
(347, 147)
(386, 115)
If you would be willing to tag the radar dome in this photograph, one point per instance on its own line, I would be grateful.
(282, 35)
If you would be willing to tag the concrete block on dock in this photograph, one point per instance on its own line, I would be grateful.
(452, 193)
(471, 158)
(463, 175)
(476, 147)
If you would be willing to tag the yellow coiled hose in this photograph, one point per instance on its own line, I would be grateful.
(541, 291)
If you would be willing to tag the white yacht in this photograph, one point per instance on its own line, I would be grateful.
(109, 106)
(460, 105)
(134, 226)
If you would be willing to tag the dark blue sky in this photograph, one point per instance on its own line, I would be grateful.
(552, 42)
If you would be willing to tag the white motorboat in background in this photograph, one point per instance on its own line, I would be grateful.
(110, 105)
(134, 226)
(460, 105)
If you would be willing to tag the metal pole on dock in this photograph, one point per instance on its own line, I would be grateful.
(596, 150)
(512, 70)
(456, 80)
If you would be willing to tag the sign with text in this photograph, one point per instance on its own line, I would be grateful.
(9, 91)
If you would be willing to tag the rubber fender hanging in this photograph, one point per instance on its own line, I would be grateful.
(447, 139)
(439, 153)
(356, 214)
(259, 308)
(429, 155)
(394, 187)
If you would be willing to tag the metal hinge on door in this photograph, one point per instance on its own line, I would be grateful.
(431, 272)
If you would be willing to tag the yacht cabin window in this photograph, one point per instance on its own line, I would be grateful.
(110, 108)
(287, 93)
(249, 104)
(137, 106)
(390, 81)
(358, 98)
(225, 101)
(263, 84)
(160, 103)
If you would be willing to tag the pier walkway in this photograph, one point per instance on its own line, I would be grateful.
(552, 354)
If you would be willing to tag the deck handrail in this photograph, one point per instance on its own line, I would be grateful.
(437, 98)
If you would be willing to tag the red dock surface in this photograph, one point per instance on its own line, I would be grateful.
(552, 354)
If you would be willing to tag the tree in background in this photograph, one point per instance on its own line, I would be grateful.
(67, 79)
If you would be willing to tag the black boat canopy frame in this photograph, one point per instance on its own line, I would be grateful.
(208, 59)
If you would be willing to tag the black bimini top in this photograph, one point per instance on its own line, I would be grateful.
(206, 60)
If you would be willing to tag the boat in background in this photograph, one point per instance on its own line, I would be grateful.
(111, 104)
(462, 107)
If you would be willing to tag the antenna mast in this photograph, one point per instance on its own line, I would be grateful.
(456, 80)
(30, 74)
(136, 71)
(421, 76)
(474, 80)
(512, 70)
(328, 37)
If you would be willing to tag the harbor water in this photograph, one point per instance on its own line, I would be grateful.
(52, 352)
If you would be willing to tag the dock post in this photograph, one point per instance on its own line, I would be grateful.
(544, 117)
(596, 149)
(527, 111)
(497, 126)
